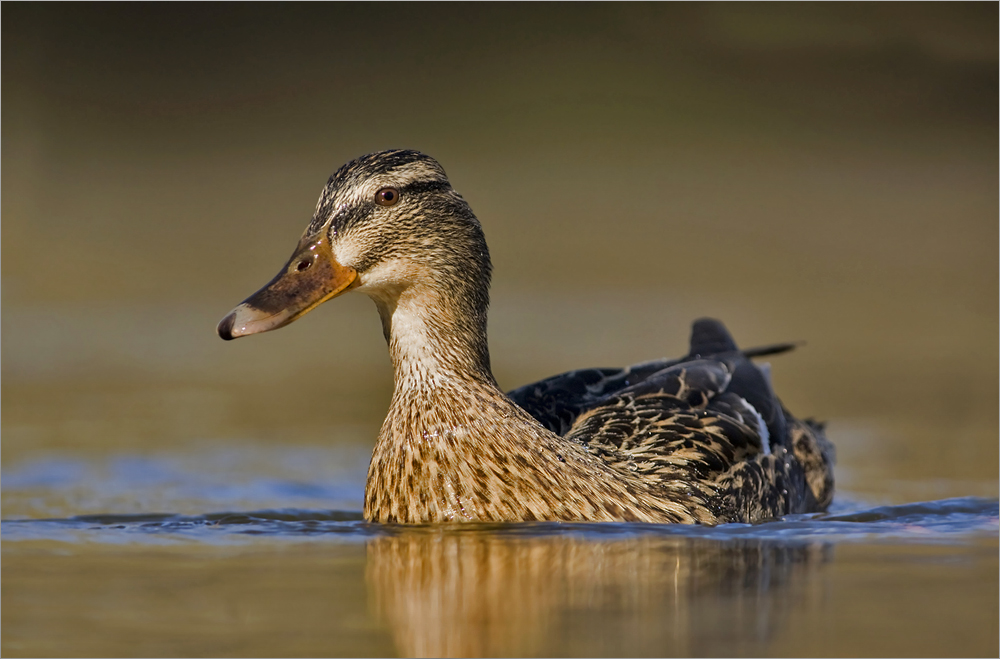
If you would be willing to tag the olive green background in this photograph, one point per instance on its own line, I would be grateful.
(825, 173)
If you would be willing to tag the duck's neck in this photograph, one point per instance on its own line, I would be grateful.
(448, 420)
(436, 340)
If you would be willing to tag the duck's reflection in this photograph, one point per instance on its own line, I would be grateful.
(475, 593)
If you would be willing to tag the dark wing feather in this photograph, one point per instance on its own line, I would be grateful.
(679, 426)
(557, 401)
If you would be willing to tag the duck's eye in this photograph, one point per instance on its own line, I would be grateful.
(387, 196)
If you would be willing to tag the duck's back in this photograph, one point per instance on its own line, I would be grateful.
(707, 422)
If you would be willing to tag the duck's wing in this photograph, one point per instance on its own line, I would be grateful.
(556, 402)
(712, 429)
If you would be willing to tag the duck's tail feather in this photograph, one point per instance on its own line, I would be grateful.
(710, 337)
(773, 349)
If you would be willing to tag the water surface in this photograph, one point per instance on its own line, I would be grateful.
(298, 579)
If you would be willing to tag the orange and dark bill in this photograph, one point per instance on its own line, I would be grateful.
(312, 276)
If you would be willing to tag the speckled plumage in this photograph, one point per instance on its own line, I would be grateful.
(701, 439)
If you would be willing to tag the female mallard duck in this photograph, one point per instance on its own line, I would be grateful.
(701, 439)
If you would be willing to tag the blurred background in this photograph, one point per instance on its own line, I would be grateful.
(821, 172)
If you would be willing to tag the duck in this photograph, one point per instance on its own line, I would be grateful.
(700, 439)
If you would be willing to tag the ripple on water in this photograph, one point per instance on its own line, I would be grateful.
(948, 520)
(313, 493)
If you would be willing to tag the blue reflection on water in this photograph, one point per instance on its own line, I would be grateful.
(316, 493)
(237, 476)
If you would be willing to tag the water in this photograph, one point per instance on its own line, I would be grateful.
(300, 578)
(947, 521)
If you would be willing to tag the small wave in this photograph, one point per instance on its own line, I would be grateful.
(948, 520)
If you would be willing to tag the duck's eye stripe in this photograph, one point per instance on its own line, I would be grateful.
(425, 186)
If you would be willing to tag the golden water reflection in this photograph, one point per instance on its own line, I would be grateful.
(481, 594)
(514, 591)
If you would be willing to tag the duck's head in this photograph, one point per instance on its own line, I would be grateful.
(385, 223)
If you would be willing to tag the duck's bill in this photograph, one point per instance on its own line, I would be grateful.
(311, 277)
